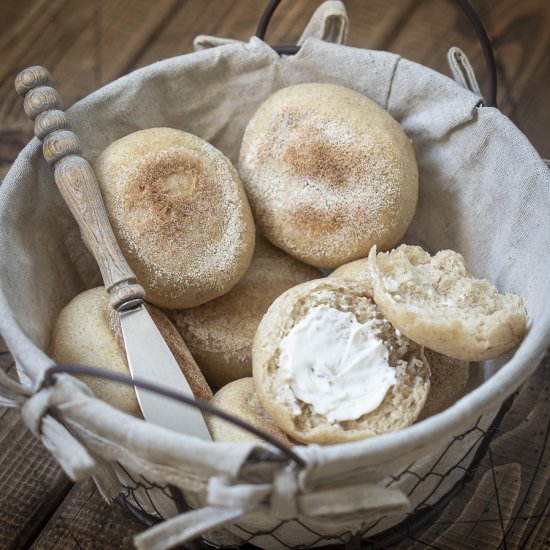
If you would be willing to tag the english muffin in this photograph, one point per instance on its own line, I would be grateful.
(87, 332)
(220, 332)
(328, 173)
(329, 367)
(179, 213)
(239, 398)
(436, 302)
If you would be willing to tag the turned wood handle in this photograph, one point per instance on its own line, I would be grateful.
(77, 183)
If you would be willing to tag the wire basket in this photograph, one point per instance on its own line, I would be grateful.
(426, 464)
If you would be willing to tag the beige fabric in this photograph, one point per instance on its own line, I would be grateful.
(484, 192)
(462, 70)
(329, 23)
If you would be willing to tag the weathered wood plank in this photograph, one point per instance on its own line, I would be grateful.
(520, 41)
(519, 32)
(84, 44)
(370, 25)
(507, 503)
(12, 13)
(31, 483)
(85, 521)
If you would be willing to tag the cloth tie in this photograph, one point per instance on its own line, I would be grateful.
(284, 498)
(38, 412)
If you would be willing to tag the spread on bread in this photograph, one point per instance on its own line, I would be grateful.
(395, 402)
(336, 364)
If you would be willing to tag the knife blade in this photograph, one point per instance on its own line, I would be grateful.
(148, 355)
(150, 358)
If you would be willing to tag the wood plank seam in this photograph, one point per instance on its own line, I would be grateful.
(13, 106)
(38, 527)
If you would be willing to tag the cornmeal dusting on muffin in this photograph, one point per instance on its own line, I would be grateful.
(328, 174)
(177, 207)
(220, 332)
(311, 178)
(436, 302)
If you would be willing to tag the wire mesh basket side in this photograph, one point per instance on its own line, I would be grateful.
(430, 484)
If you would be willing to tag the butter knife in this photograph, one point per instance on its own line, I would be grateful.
(148, 354)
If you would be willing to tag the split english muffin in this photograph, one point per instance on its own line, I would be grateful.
(449, 377)
(437, 303)
(329, 368)
(357, 271)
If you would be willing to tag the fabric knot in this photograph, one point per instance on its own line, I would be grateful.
(36, 411)
(36, 407)
(225, 494)
(289, 495)
(278, 497)
(230, 502)
(62, 390)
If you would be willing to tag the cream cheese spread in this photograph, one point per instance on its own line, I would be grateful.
(336, 364)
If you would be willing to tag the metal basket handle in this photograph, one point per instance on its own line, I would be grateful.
(203, 406)
(465, 5)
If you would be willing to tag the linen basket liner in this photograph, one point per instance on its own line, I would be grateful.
(484, 191)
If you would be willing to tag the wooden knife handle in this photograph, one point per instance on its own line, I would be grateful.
(77, 183)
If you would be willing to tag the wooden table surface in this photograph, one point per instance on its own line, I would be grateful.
(86, 44)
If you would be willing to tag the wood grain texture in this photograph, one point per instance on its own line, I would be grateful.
(507, 504)
(518, 31)
(76, 181)
(85, 521)
(32, 485)
(87, 44)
